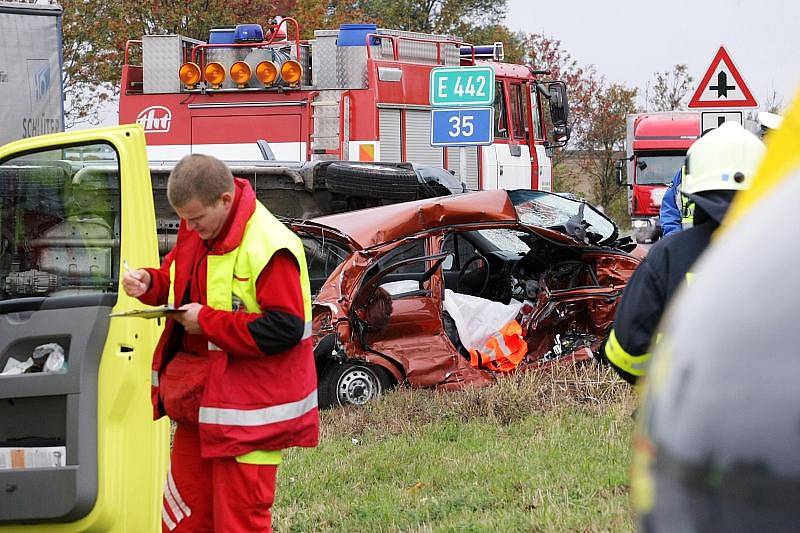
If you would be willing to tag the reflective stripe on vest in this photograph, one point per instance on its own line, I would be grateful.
(634, 365)
(171, 292)
(259, 417)
(687, 211)
(503, 351)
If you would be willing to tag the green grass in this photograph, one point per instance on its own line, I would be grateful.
(540, 452)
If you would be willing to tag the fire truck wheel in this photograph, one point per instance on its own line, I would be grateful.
(372, 181)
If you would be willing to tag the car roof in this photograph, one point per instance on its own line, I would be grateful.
(370, 227)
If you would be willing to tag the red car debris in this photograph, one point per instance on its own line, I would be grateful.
(559, 258)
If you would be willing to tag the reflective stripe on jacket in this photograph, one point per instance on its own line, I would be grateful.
(647, 294)
(634, 365)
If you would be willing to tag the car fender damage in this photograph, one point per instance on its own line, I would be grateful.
(567, 280)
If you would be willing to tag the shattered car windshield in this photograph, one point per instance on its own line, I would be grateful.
(506, 239)
(547, 210)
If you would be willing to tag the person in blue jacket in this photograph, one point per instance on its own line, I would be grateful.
(670, 214)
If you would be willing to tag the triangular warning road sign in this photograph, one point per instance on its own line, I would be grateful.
(722, 86)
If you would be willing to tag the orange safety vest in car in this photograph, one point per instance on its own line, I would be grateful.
(503, 351)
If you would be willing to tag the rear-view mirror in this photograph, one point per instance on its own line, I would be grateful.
(618, 165)
(559, 106)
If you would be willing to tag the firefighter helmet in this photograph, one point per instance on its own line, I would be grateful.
(724, 159)
(769, 121)
(716, 446)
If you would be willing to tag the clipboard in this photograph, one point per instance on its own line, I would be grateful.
(157, 312)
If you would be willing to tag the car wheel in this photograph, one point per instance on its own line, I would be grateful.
(351, 383)
(372, 181)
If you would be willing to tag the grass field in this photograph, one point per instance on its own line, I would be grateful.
(536, 452)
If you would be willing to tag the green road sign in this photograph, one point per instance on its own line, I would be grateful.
(462, 86)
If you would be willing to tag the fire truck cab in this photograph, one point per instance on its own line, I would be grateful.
(358, 93)
(656, 147)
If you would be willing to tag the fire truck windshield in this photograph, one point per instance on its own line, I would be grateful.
(657, 169)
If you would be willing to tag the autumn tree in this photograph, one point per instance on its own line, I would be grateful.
(434, 16)
(773, 103)
(670, 89)
(95, 33)
(544, 53)
(602, 143)
(326, 14)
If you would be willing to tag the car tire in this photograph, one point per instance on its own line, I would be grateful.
(351, 383)
(372, 181)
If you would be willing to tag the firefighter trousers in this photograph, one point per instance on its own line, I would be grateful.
(214, 495)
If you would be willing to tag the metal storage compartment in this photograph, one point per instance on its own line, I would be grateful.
(162, 57)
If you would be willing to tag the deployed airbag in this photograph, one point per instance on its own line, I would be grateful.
(477, 318)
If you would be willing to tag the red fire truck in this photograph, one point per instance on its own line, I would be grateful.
(656, 147)
(358, 93)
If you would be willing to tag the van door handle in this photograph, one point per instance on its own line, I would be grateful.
(125, 351)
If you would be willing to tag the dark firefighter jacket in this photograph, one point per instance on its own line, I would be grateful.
(654, 283)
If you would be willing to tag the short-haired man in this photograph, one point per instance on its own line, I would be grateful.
(235, 367)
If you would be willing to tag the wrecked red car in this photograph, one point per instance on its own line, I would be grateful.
(386, 278)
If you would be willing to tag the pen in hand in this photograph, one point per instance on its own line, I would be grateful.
(133, 282)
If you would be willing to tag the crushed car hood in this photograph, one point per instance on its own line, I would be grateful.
(377, 225)
(371, 227)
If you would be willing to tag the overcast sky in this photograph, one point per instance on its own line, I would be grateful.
(629, 40)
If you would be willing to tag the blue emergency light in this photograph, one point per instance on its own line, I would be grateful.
(249, 33)
(486, 51)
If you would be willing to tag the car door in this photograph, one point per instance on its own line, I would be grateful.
(414, 336)
(78, 448)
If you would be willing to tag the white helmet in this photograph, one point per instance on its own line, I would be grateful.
(725, 158)
(769, 121)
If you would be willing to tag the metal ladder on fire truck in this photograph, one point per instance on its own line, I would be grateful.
(337, 71)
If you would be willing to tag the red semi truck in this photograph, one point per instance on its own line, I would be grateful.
(656, 147)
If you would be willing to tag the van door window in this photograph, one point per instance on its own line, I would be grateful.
(500, 119)
(59, 223)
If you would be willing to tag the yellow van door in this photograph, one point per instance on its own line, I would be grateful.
(78, 448)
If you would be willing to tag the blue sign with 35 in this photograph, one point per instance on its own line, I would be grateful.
(471, 126)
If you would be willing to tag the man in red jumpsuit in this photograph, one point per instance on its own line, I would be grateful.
(234, 368)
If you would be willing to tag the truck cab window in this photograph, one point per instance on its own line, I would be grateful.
(537, 121)
(59, 226)
(519, 110)
(500, 120)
